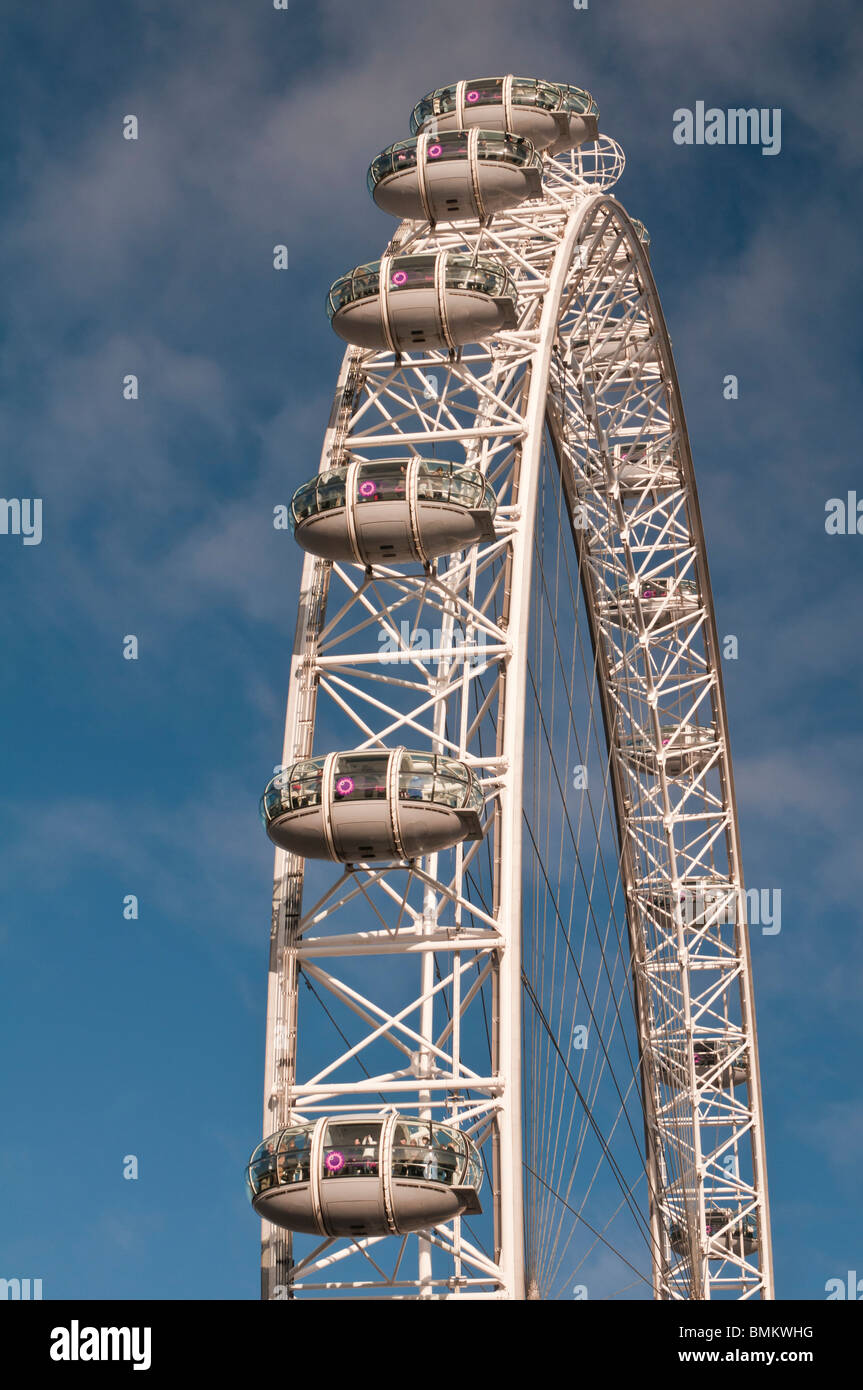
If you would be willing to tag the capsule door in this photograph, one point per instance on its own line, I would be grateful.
(381, 512)
(361, 824)
(351, 1191)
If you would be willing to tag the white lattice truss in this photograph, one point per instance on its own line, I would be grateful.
(589, 367)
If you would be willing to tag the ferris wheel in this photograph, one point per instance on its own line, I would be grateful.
(511, 1046)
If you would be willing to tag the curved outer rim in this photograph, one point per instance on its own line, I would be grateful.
(639, 255)
(642, 258)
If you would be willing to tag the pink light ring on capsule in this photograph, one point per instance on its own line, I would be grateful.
(435, 151)
(334, 1161)
(399, 277)
(367, 489)
(344, 786)
(472, 96)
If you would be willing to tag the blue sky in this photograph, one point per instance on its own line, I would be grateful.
(155, 258)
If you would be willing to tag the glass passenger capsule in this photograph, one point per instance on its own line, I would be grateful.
(661, 600)
(552, 115)
(359, 1175)
(458, 174)
(623, 350)
(393, 510)
(442, 299)
(684, 751)
(637, 469)
(710, 1057)
(704, 903)
(644, 467)
(367, 805)
(740, 1237)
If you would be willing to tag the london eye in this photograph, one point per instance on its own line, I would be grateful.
(511, 1045)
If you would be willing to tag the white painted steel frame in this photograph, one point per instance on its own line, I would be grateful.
(591, 362)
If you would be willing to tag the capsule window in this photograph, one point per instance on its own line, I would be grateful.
(425, 1153)
(351, 1149)
(487, 92)
(360, 777)
(331, 490)
(433, 482)
(382, 482)
(576, 100)
(416, 779)
(439, 103)
(424, 110)
(306, 785)
(293, 1161)
(528, 91)
(450, 145)
(466, 487)
(304, 504)
(463, 272)
(500, 145)
(411, 273)
(451, 783)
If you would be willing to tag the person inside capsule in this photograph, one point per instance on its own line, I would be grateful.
(351, 1150)
(294, 1159)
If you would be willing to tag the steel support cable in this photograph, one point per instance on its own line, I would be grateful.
(611, 526)
(554, 1272)
(539, 923)
(553, 1139)
(566, 417)
(544, 1109)
(575, 1159)
(592, 1091)
(617, 964)
(615, 1168)
(593, 1231)
(592, 916)
(576, 605)
(576, 598)
(538, 960)
(681, 1154)
(605, 756)
(555, 1044)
